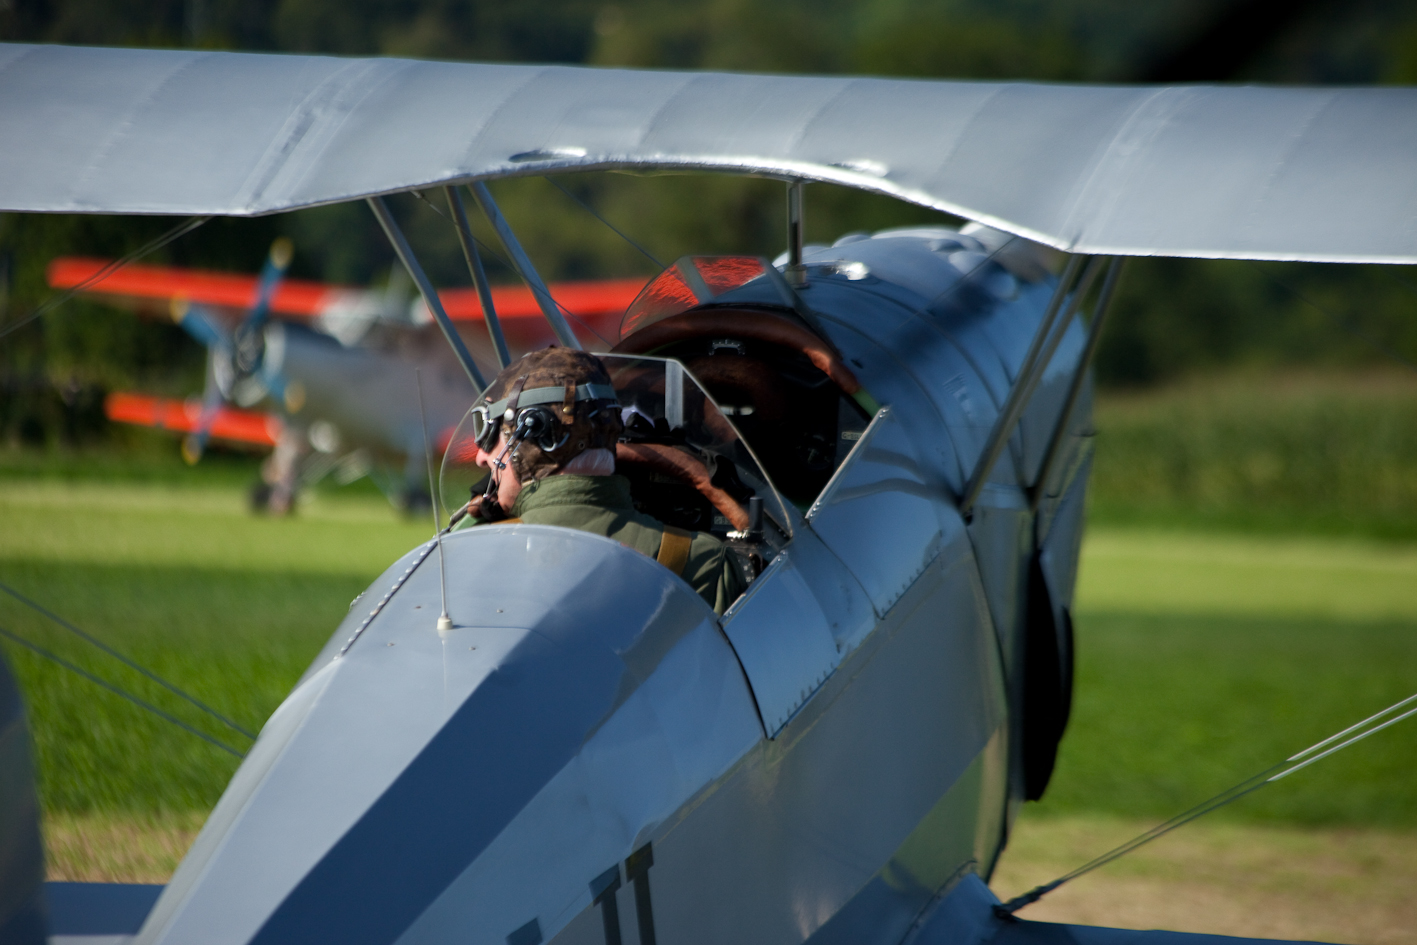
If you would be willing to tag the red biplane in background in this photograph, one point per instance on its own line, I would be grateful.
(325, 374)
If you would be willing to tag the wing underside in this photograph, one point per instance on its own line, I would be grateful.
(1291, 173)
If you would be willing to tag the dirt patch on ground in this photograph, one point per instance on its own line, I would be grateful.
(1343, 886)
(108, 848)
(1331, 885)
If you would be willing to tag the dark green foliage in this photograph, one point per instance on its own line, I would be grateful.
(1297, 453)
(1174, 317)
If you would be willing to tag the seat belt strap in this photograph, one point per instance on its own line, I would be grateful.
(674, 549)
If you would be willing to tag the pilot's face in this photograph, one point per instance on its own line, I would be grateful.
(508, 486)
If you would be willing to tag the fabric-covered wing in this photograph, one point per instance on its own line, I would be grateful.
(1326, 174)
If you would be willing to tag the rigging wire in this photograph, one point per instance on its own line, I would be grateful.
(1344, 323)
(613, 228)
(89, 638)
(1354, 733)
(497, 256)
(16, 638)
(182, 229)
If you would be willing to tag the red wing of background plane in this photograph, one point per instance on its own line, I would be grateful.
(599, 304)
(182, 416)
(151, 290)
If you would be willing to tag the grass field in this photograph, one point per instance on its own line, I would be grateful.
(183, 580)
(1206, 653)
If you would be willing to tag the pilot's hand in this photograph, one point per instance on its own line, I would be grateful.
(484, 508)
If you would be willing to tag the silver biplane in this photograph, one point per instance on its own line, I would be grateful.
(892, 431)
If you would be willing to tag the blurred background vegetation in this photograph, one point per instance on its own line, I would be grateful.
(1181, 325)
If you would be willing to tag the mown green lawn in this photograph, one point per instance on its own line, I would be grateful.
(186, 582)
(1203, 657)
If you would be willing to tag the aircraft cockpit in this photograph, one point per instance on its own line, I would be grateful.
(736, 413)
(687, 464)
(787, 391)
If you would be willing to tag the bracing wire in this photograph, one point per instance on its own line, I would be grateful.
(1345, 324)
(182, 229)
(1334, 743)
(488, 250)
(89, 638)
(16, 638)
(612, 227)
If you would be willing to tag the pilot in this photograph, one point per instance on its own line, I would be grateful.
(555, 419)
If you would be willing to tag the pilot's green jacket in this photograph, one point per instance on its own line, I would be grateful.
(601, 505)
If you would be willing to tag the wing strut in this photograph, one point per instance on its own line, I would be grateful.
(1094, 335)
(425, 288)
(523, 266)
(479, 275)
(796, 273)
(1040, 352)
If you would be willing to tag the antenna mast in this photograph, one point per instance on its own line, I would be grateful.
(444, 621)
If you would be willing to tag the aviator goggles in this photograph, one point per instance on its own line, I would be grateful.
(486, 418)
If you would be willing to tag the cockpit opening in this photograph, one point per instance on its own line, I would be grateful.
(784, 389)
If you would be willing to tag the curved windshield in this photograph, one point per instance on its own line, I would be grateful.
(686, 463)
(692, 281)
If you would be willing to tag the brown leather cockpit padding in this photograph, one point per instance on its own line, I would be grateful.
(685, 468)
(759, 325)
(674, 549)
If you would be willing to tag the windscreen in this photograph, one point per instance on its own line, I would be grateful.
(692, 281)
(675, 434)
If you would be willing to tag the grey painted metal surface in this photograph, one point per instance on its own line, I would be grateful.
(419, 790)
(819, 765)
(884, 481)
(1323, 174)
(792, 627)
(476, 778)
(97, 913)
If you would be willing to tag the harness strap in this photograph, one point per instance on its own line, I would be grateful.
(674, 549)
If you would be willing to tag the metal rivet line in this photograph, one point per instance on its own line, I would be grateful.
(398, 583)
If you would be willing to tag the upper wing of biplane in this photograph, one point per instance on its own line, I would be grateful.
(1276, 173)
